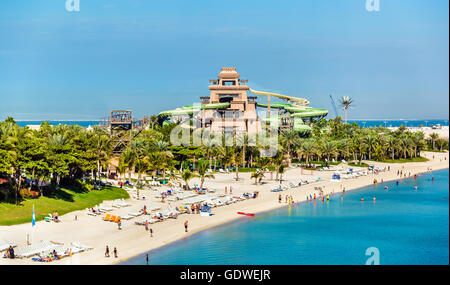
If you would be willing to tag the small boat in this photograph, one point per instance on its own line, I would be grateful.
(246, 214)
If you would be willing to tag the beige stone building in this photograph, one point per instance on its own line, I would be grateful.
(240, 116)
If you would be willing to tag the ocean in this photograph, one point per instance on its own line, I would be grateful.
(362, 123)
(403, 226)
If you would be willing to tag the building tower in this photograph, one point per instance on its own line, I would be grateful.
(240, 115)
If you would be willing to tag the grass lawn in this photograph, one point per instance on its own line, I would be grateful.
(357, 164)
(63, 201)
(403, 160)
(250, 169)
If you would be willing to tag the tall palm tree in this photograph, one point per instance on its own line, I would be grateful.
(308, 149)
(328, 149)
(129, 159)
(392, 145)
(257, 175)
(202, 169)
(370, 141)
(288, 140)
(187, 175)
(141, 167)
(346, 103)
(434, 137)
(405, 144)
(103, 147)
(121, 168)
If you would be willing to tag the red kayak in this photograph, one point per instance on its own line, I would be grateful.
(246, 214)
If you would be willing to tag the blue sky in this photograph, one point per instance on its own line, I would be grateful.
(150, 56)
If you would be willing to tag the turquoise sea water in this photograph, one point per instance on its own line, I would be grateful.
(407, 226)
(54, 123)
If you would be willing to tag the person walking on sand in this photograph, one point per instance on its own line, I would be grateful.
(107, 252)
(151, 232)
(146, 225)
(226, 190)
(146, 258)
(186, 226)
(115, 252)
(279, 198)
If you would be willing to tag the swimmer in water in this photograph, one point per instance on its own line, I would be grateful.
(415, 187)
(374, 199)
(362, 199)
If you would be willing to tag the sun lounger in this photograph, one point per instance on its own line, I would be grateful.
(35, 248)
(134, 214)
(90, 213)
(5, 245)
(105, 208)
(126, 216)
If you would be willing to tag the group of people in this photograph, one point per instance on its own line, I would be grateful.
(9, 253)
(226, 190)
(56, 217)
(288, 199)
(114, 251)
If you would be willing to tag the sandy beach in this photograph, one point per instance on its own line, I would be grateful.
(133, 240)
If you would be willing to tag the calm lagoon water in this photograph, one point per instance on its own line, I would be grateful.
(407, 226)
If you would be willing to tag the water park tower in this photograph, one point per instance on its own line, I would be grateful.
(229, 109)
(238, 112)
(121, 125)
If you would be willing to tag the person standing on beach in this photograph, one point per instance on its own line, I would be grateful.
(146, 258)
(226, 190)
(146, 225)
(107, 252)
(186, 226)
(279, 198)
(151, 232)
(115, 252)
(231, 190)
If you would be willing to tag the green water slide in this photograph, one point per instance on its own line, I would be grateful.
(191, 109)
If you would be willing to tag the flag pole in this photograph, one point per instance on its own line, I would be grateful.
(33, 223)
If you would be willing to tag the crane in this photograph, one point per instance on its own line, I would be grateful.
(334, 106)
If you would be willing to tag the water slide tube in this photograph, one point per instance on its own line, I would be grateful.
(297, 101)
(191, 109)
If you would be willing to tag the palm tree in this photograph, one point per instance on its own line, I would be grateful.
(129, 158)
(392, 145)
(103, 147)
(236, 160)
(257, 175)
(370, 141)
(187, 175)
(405, 144)
(121, 168)
(441, 143)
(308, 149)
(328, 148)
(417, 140)
(202, 169)
(141, 167)
(346, 103)
(434, 137)
(288, 140)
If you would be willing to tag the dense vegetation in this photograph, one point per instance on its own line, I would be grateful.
(62, 155)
